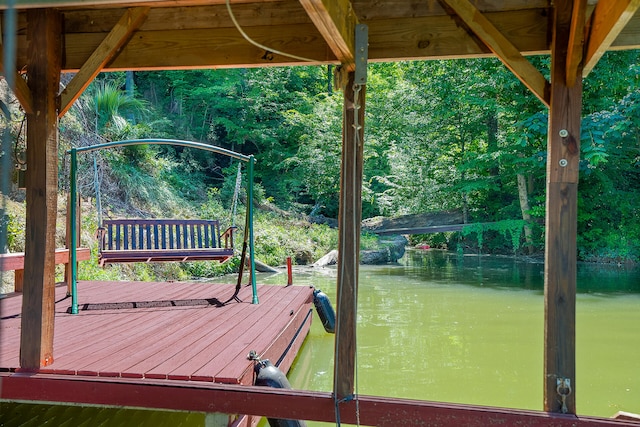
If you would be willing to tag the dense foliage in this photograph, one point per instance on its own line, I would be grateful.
(440, 135)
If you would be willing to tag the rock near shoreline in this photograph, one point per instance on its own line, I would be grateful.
(391, 250)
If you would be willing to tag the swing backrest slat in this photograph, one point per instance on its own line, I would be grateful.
(136, 240)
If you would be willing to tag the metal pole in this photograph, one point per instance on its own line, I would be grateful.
(8, 59)
(96, 183)
(74, 232)
(252, 255)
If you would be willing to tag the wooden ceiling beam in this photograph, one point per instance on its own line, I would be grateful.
(205, 48)
(502, 48)
(591, 5)
(199, 47)
(608, 20)
(366, 9)
(20, 89)
(201, 41)
(106, 4)
(337, 22)
(398, 30)
(576, 41)
(105, 52)
(278, 14)
(412, 8)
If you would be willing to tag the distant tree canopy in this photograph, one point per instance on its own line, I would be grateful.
(439, 135)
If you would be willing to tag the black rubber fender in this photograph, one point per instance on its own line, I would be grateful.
(325, 310)
(268, 375)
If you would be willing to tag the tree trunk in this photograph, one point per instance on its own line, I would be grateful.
(524, 207)
(130, 89)
(492, 138)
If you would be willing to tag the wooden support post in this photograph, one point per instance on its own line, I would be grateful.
(349, 218)
(561, 222)
(45, 46)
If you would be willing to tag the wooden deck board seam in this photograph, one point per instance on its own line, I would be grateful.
(256, 332)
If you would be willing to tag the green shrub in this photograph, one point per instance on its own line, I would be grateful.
(15, 232)
(203, 269)
(277, 238)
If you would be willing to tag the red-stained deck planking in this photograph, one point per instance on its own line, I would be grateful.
(183, 341)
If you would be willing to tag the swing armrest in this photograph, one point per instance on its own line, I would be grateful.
(228, 237)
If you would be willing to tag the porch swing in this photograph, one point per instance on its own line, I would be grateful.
(163, 240)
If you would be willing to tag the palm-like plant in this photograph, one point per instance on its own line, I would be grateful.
(114, 109)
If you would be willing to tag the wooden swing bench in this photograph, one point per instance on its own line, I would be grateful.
(161, 240)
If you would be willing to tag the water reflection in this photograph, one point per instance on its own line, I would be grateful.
(514, 272)
(470, 329)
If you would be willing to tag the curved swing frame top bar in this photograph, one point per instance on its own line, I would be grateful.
(250, 160)
(156, 141)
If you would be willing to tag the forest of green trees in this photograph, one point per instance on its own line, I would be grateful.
(460, 135)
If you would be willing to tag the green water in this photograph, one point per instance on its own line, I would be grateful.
(452, 329)
(470, 330)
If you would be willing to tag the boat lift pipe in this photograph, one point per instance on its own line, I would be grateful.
(191, 144)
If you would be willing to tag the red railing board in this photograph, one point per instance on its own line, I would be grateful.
(276, 403)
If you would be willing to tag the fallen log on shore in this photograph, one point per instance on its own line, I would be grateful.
(391, 250)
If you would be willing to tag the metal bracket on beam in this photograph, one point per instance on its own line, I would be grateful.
(362, 53)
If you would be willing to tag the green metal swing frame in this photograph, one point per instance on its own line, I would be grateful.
(73, 152)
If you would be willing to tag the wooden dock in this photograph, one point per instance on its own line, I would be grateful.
(180, 351)
(166, 331)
